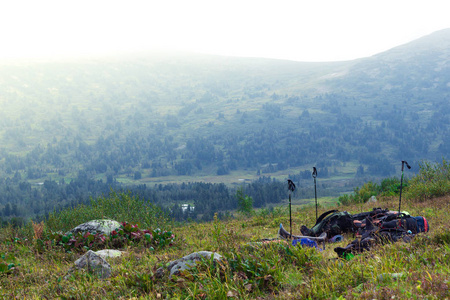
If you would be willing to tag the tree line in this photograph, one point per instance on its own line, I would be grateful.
(21, 200)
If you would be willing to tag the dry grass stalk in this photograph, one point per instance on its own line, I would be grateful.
(38, 229)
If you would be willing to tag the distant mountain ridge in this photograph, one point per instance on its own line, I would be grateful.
(145, 117)
(422, 64)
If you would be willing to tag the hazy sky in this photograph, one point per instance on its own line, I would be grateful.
(312, 30)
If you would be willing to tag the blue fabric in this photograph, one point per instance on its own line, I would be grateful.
(305, 242)
(308, 243)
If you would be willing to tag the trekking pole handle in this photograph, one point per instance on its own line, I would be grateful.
(314, 173)
(407, 165)
(291, 185)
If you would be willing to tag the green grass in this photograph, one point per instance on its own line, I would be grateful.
(250, 270)
(235, 177)
(276, 270)
(116, 206)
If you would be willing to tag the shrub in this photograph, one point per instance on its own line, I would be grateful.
(361, 195)
(432, 181)
(391, 186)
(117, 206)
(368, 190)
(245, 203)
(345, 199)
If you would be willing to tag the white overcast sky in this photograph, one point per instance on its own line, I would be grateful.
(313, 30)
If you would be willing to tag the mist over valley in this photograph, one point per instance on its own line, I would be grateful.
(152, 122)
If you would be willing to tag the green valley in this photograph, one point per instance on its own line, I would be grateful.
(162, 118)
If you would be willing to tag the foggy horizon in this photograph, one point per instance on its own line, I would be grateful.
(323, 31)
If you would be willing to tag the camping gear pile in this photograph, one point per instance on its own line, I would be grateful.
(374, 227)
(378, 226)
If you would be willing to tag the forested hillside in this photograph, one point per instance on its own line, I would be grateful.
(156, 118)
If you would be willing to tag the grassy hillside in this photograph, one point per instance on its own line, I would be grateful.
(420, 269)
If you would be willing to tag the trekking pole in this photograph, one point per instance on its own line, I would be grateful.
(314, 175)
(291, 188)
(401, 185)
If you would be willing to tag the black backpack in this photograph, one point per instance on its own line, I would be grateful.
(374, 213)
(332, 222)
(407, 223)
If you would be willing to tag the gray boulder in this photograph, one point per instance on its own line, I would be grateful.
(189, 261)
(373, 199)
(104, 226)
(109, 253)
(93, 264)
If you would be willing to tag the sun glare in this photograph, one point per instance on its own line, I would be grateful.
(297, 30)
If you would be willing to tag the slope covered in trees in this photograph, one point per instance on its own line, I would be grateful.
(150, 118)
